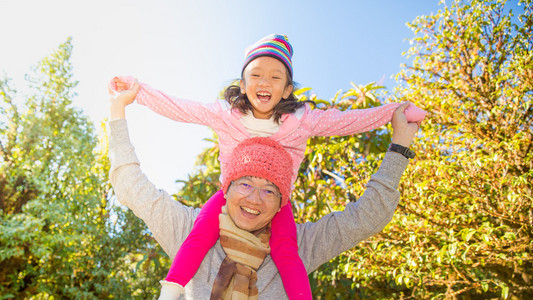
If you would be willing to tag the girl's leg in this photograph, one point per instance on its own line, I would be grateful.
(203, 236)
(284, 252)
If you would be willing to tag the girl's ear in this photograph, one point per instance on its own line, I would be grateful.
(287, 92)
(243, 87)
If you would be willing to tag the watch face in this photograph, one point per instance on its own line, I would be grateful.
(410, 153)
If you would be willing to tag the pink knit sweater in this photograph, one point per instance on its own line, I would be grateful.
(295, 129)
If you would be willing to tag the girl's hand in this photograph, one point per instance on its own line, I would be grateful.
(120, 85)
(403, 132)
(121, 100)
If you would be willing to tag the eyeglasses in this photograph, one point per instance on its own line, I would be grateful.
(245, 189)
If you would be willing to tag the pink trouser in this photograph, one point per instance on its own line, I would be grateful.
(283, 248)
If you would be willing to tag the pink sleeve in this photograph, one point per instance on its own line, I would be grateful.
(335, 122)
(170, 107)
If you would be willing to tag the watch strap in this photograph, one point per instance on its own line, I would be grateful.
(408, 153)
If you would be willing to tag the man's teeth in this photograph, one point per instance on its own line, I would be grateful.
(252, 211)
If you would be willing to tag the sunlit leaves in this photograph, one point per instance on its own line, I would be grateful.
(61, 234)
(464, 224)
(468, 71)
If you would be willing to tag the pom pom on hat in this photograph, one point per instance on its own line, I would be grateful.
(260, 157)
(273, 45)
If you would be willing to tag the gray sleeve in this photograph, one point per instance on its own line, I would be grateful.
(339, 231)
(169, 221)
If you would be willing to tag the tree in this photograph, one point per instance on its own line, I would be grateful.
(464, 224)
(203, 181)
(61, 233)
(466, 228)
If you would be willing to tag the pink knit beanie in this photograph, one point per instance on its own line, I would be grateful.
(260, 157)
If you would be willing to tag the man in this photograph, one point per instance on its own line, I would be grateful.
(239, 264)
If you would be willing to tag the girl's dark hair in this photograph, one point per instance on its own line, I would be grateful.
(233, 95)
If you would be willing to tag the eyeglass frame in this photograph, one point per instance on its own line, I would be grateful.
(254, 188)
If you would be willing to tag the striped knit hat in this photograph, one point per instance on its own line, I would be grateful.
(273, 45)
(260, 157)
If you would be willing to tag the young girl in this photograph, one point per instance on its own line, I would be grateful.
(263, 105)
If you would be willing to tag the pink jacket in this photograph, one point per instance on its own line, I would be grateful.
(294, 131)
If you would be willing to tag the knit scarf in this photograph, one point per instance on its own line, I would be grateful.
(245, 252)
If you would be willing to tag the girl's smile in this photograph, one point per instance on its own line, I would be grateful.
(263, 96)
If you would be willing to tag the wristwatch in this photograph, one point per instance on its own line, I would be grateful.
(402, 150)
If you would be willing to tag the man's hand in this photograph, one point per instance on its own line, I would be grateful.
(121, 100)
(403, 132)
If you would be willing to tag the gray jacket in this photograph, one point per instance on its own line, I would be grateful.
(170, 222)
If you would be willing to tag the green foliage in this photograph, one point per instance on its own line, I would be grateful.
(326, 181)
(334, 172)
(61, 235)
(464, 225)
(463, 228)
(203, 182)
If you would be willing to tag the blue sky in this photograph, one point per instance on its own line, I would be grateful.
(192, 49)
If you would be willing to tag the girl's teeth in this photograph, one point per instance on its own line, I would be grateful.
(263, 96)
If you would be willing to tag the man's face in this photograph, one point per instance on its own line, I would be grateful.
(252, 202)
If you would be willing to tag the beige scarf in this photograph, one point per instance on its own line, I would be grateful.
(245, 252)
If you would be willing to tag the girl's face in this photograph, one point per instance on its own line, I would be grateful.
(265, 83)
